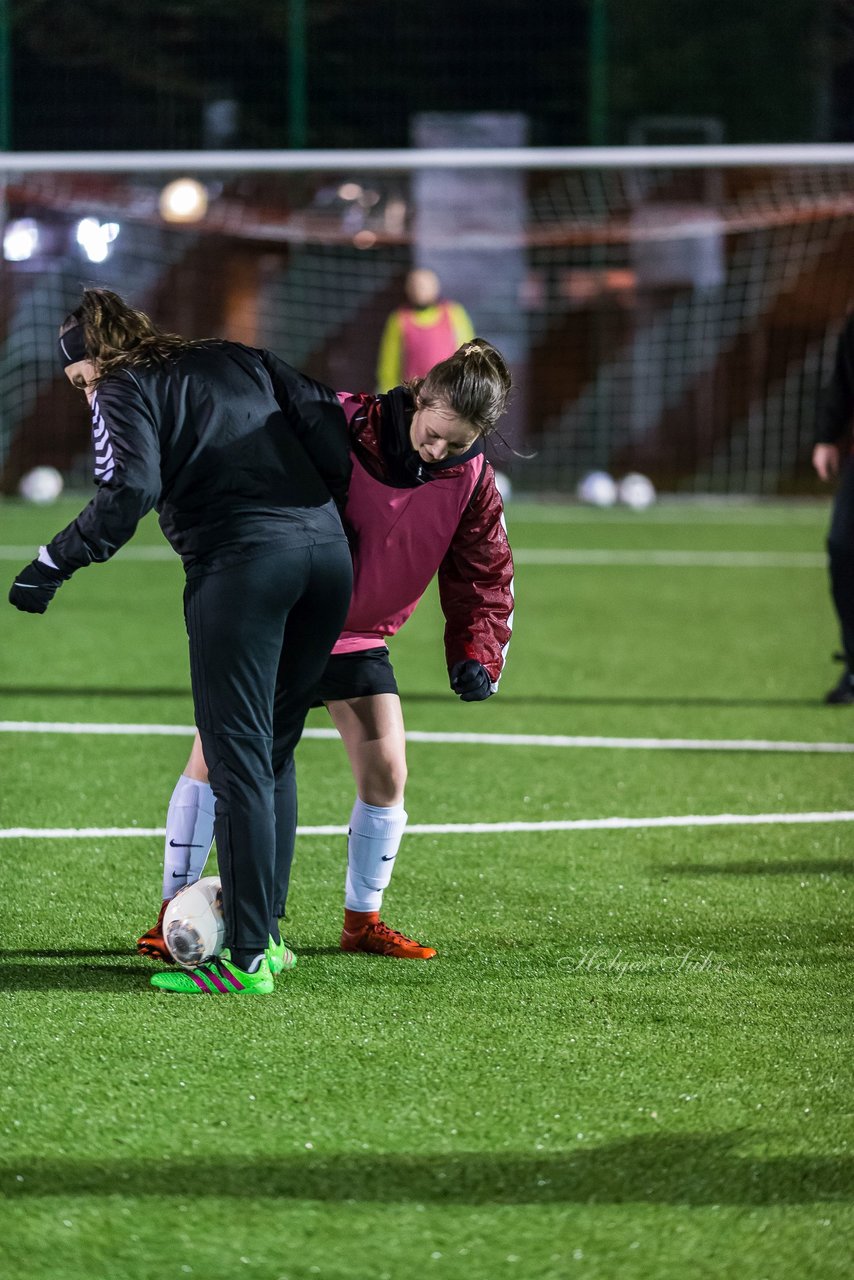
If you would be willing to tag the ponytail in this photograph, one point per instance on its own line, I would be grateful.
(115, 334)
(474, 383)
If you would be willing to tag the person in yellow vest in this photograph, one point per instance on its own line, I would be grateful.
(422, 333)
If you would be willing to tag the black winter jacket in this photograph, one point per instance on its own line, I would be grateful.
(836, 411)
(231, 446)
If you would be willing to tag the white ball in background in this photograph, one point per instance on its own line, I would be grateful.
(597, 489)
(636, 491)
(41, 485)
(504, 485)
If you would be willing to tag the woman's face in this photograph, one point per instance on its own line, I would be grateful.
(437, 433)
(82, 375)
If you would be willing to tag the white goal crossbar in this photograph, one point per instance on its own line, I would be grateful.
(668, 310)
(403, 160)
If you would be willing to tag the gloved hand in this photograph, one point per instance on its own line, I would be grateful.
(35, 586)
(470, 680)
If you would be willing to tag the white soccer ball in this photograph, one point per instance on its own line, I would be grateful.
(193, 925)
(636, 491)
(504, 485)
(41, 485)
(597, 489)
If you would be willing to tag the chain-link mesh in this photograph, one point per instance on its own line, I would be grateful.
(673, 322)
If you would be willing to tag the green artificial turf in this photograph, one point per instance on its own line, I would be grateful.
(632, 1056)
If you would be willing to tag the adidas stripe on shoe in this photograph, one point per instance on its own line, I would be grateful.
(218, 978)
(279, 957)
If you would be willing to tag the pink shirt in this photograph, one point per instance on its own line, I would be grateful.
(402, 537)
(452, 526)
(425, 345)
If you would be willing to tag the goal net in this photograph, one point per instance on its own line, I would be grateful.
(671, 311)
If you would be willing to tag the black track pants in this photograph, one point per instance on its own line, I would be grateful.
(840, 548)
(260, 636)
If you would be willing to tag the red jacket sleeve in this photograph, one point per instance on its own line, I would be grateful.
(362, 412)
(476, 583)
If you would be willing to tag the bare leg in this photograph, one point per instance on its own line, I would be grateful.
(196, 767)
(372, 731)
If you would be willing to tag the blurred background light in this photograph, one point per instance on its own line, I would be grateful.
(184, 200)
(20, 240)
(95, 238)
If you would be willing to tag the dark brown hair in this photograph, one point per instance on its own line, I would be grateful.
(474, 383)
(116, 334)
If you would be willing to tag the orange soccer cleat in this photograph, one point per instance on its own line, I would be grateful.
(152, 943)
(364, 931)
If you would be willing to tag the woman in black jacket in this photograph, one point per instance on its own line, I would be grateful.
(244, 459)
(833, 460)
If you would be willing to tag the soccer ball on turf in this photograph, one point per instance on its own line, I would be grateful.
(193, 925)
(41, 485)
(636, 491)
(597, 489)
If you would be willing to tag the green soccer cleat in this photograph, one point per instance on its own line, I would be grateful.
(217, 978)
(279, 957)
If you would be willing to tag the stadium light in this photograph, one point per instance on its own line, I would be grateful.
(184, 200)
(95, 238)
(20, 240)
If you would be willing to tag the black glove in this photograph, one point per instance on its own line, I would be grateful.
(34, 587)
(470, 680)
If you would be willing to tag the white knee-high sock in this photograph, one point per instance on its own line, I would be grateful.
(189, 834)
(375, 836)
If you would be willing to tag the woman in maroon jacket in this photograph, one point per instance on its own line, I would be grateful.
(422, 501)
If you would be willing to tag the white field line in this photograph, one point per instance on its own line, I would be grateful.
(132, 730)
(688, 513)
(157, 552)
(621, 744)
(559, 556)
(477, 739)
(474, 828)
(673, 559)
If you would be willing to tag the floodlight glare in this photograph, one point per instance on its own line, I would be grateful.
(95, 238)
(20, 240)
(184, 200)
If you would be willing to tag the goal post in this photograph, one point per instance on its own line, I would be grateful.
(669, 310)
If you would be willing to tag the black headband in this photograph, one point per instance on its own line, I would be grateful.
(72, 346)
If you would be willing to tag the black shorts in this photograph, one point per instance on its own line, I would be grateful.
(356, 675)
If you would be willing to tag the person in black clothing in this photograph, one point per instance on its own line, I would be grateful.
(239, 454)
(832, 458)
